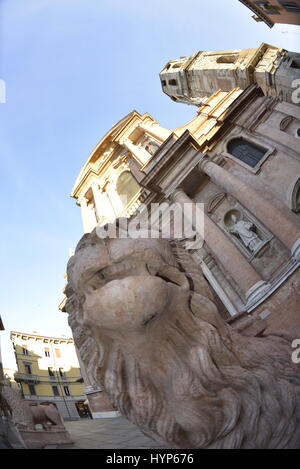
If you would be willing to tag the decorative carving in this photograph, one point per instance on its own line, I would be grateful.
(290, 125)
(167, 359)
(294, 196)
(106, 154)
(215, 201)
(286, 121)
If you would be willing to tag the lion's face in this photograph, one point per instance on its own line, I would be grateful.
(122, 283)
(184, 377)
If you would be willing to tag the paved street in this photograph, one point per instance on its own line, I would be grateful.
(111, 433)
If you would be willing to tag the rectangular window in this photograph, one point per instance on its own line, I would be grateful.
(32, 389)
(268, 8)
(67, 391)
(27, 369)
(227, 59)
(47, 352)
(295, 64)
(24, 349)
(246, 151)
(57, 353)
(55, 390)
(61, 372)
(50, 371)
(292, 7)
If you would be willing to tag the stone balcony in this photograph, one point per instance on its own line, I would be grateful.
(63, 379)
(27, 378)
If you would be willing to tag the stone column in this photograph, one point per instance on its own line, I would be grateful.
(239, 269)
(88, 216)
(220, 284)
(156, 131)
(273, 214)
(108, 208)
(97, 199)
(104, 206)
(142, 156)
(115, 200)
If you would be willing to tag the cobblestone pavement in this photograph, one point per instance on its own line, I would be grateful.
(117, 433)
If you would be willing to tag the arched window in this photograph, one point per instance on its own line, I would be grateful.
(127, 187)
(245, 151)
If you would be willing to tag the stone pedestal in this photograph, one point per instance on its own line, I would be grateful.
(38, 439)
(100, 405)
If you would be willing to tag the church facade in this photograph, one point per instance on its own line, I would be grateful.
(240, 159)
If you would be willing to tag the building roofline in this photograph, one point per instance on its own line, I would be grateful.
(120, 124)
(258, 12)
(41, 336)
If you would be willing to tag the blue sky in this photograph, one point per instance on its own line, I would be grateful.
(72, 69)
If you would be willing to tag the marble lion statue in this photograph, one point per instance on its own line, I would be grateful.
(148, 330)
(27, 415)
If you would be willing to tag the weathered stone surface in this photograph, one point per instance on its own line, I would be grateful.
(38, 439)
(158, 346)
(25, 417)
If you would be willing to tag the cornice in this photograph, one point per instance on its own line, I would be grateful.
(110, 138)
(169, 159)
(258, 12)
(191, 60)
(37, 336)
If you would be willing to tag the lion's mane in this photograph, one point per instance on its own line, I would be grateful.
(207, 385)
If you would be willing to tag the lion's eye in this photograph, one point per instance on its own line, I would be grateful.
(100, 274)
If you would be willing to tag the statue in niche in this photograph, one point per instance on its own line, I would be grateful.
(154, 340)
(243, 229)
(151, 147)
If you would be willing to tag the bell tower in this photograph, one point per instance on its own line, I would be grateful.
(191, 79)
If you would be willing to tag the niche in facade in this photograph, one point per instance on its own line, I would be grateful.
(245, 231)
(127, 187)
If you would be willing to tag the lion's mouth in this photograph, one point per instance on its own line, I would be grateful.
(117, 271)
(133, 267)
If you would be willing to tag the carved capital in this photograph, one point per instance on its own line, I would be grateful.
(201, 165)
